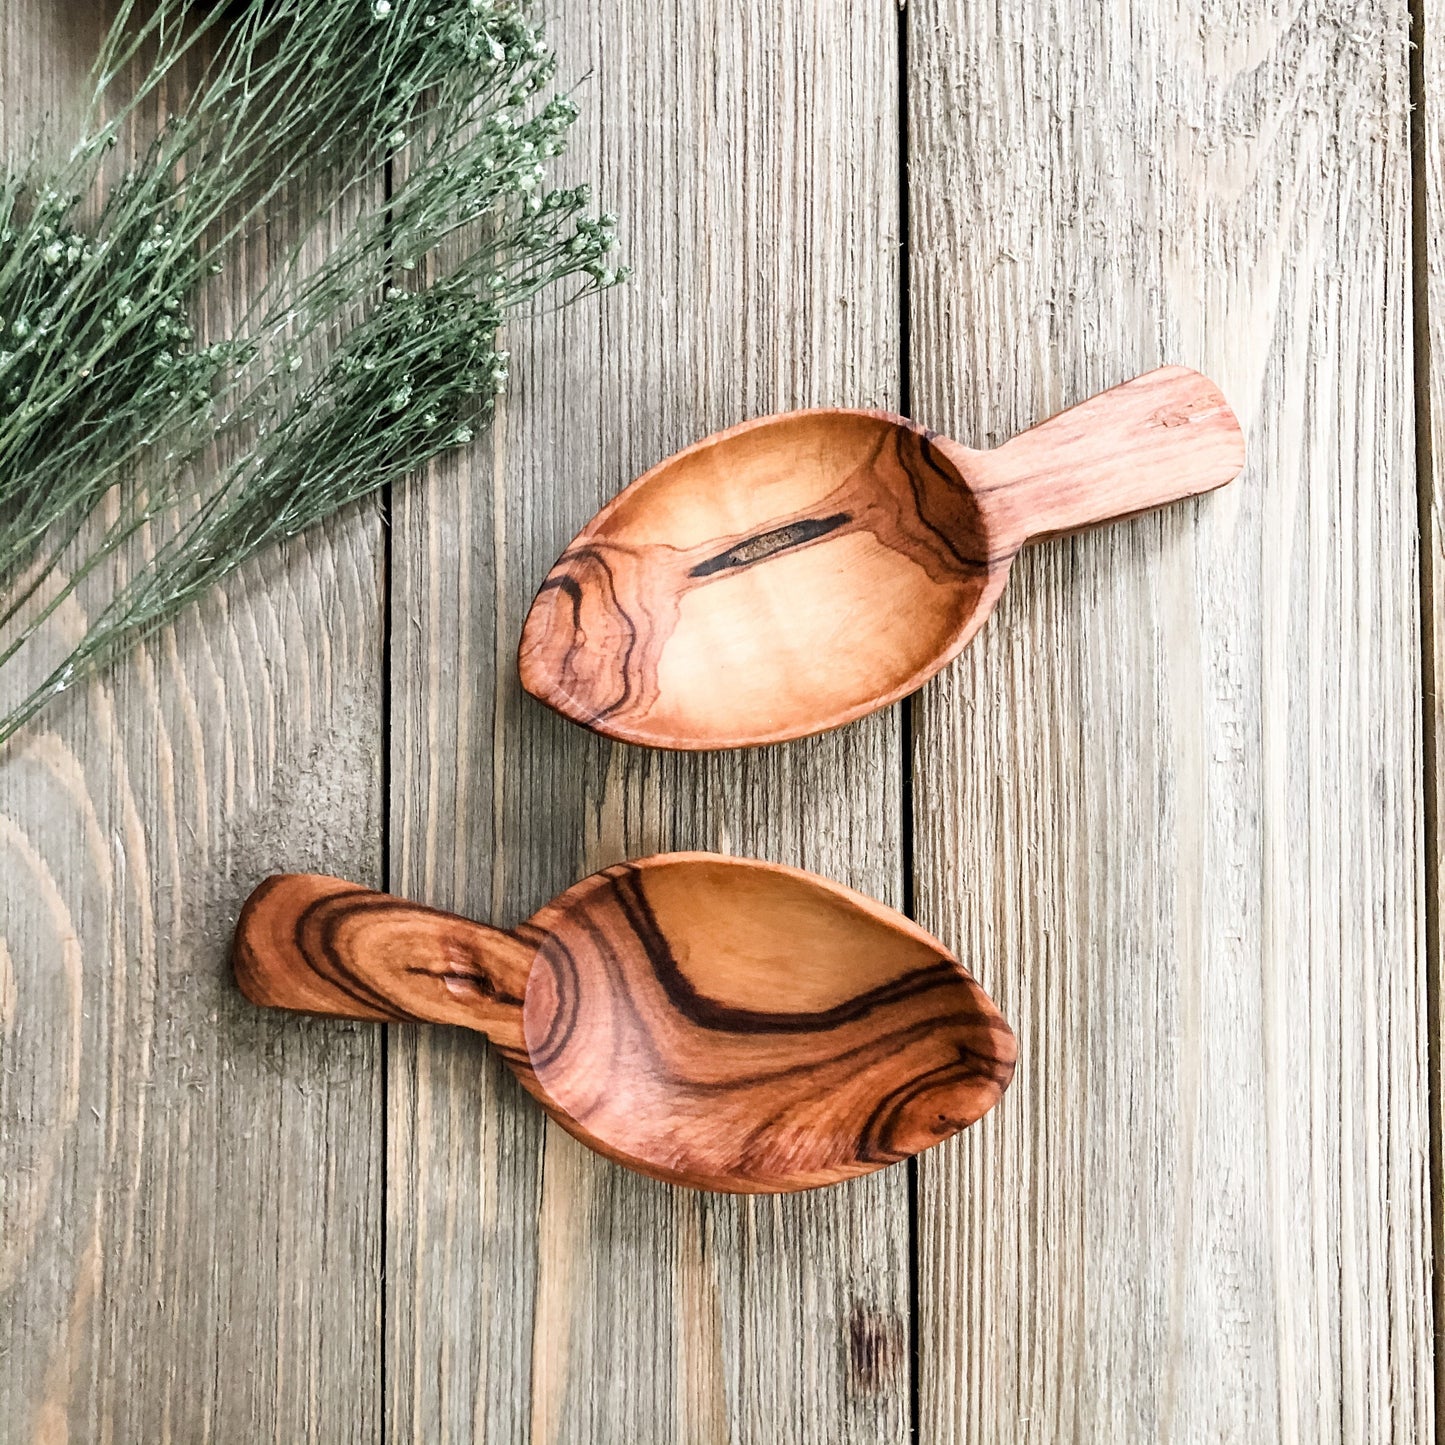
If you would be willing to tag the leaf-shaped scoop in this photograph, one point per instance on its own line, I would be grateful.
(711, 1021)
(796, 572)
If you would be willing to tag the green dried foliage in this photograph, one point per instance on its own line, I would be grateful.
(428, 124)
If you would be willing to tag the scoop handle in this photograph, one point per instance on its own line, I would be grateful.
(319, 945)
(1166, 435)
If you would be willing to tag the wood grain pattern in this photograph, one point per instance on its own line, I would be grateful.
(1183, 850)
(797, 572)
(190, 1195)
(715, 1022)
(537, 1293)
(314, 944)
(1429, 213)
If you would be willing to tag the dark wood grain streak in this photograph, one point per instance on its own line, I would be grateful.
(872, 550)
(763, 545)
(628, 1008)
(707, 1013)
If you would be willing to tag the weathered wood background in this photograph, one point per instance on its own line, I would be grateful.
(1176, 806)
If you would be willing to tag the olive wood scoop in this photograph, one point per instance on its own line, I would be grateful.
(710, 1021)
(798, 571)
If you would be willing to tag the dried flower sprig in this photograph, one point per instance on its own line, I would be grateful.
(318, 397)
(95, 355)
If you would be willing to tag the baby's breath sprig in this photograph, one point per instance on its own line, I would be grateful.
(319, 396)
(302, 97)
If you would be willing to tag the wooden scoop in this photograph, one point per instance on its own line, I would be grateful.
(710, 1021)
(796, 572)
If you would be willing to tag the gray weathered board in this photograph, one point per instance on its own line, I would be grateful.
(1186, 844)
(1171, 805)
(190, 1191)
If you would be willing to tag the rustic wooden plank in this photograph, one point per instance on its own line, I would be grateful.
(1173, 795)
(190, 1190)
(1429, 99)
(533, 1291)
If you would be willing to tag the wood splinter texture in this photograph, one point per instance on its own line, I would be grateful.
(715, 1022)
(796, 572)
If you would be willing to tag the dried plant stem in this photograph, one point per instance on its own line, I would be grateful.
(333, 381)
